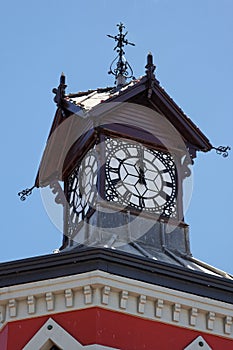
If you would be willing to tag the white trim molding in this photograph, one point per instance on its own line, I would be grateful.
(112, 292)
(198, 344)
(51, 333)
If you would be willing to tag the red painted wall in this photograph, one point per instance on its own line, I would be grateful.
(109, 328)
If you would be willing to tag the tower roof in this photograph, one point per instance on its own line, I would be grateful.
(159, 100)
(145, 91)
(86, 111)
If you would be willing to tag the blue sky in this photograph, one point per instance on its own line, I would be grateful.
(192, 46)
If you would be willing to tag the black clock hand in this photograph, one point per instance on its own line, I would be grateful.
(142, 180)
(141, 168)
(141, 172)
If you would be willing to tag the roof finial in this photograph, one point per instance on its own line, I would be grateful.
(60, 90)
(122, 66)
(150, 68)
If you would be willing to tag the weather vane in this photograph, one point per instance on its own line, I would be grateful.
(123, 69)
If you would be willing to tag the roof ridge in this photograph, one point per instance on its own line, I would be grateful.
(84, 93)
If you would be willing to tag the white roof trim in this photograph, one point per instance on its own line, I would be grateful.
(60, 294)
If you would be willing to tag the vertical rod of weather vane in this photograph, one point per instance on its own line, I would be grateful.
(123, 70)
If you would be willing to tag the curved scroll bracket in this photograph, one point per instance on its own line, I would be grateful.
(25, 193)
(58, 192)
(222, 150)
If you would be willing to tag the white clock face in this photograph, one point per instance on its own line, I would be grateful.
(135, 176)
(139, 177)
(82, 190)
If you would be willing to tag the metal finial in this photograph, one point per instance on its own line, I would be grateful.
(123, 69)
(150, 68)
(222, 150)
(60, 90)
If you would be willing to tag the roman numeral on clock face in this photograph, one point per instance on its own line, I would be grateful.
(116, 182)
(167, 184)
(141, 202)
(113, 170)
(127, 195)
(164, 195)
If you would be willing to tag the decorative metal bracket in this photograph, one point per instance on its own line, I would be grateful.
(150, 68)
(185, 166)
(25, 193)
(123, 69)
(60, 91)
(222, 150)
(58, 191)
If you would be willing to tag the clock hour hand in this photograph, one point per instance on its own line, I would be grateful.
(140, 165)
(142, 180)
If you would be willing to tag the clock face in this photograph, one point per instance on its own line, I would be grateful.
(139, 177)
(81, 189)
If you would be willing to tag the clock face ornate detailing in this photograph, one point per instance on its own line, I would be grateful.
(81, 188)
(139, 177)
(136, 177)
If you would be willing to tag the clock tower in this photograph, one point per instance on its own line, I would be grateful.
(118, 161)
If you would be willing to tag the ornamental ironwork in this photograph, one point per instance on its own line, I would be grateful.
(123, 68)
(25, 193)
(82, 189)
(222, 150)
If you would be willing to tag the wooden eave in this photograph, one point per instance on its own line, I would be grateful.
(63, 148)
(160, 99)
(177, 117)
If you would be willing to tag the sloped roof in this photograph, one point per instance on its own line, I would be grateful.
(164, 256)
(135, 91)
(91, 98)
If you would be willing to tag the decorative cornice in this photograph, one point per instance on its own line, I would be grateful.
(121, 264)
(101, 289)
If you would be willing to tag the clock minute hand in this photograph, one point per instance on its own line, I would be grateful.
(142, 179)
